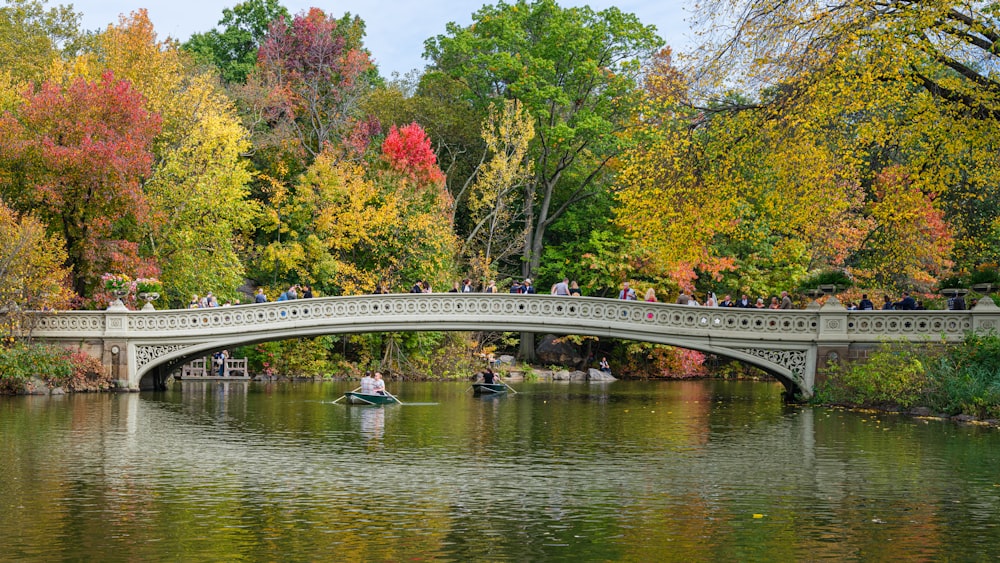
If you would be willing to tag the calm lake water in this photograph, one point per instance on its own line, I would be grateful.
(633, 471)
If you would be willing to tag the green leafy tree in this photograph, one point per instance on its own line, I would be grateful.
(577, 73)
(232, 46)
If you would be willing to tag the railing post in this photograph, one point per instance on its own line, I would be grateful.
(985, 316)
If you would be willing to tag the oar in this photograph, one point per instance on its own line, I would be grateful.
(509, 387)
(393, 396)
(342, 396)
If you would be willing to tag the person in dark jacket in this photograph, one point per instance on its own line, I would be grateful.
(907, 303)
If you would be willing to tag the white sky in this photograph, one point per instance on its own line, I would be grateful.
(396, 29)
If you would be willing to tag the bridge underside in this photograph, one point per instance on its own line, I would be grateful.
(790, 366)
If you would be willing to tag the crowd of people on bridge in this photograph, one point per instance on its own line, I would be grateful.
(567, 287)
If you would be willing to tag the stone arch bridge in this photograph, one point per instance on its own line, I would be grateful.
(140, 348)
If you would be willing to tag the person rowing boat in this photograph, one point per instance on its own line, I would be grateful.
(490, 377)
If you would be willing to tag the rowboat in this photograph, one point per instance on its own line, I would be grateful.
(488, 388)
(356, 398)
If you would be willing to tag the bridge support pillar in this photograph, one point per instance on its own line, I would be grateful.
(116, 360)
(832, 343)
(827, 355)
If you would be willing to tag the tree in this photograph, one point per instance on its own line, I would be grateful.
(942, 46)
(32, 276)
(198, 194)
(76, 156)
(315, 72)
(911, 243)
(350, 227)
(577, 74)
(199, 190)
(31, 37)
(745, 200)
(499, 179)
(898, 84)
(233, 46)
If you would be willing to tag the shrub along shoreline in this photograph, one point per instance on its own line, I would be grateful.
(40, 369)
(961, 382)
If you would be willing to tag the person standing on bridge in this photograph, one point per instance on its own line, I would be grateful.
(786, 301)
(561, 288)
(627, 293)
(260, 297)
(528, 288)
(907, 303)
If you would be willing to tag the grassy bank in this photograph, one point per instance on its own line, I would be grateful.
(955, 380)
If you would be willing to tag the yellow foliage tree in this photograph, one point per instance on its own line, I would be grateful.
(744, 198)
(907, 88)
(32, 276)
(499, 180)
(347, 230)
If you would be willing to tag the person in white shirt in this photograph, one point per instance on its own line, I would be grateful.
(379, 385)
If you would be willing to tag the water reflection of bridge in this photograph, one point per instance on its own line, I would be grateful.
(138, 347)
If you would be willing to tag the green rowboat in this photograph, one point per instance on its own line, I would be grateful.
(488, 388)
(369, 398)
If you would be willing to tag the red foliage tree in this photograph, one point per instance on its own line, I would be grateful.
(75, 157)
(314, 69)
(408, 150)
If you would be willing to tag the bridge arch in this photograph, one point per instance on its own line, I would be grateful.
(781, 364)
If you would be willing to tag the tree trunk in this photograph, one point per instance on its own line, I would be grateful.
(526, 352)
